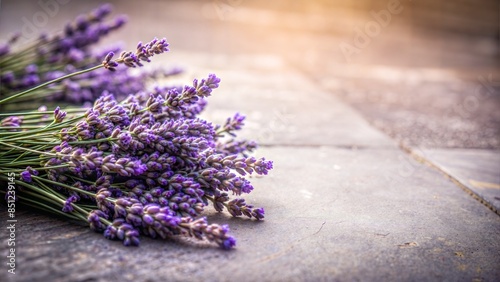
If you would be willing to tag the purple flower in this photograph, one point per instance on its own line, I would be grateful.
(258, 213)
(242, 184)
(233, 147)
(12, 121)
(4, 49)
(191, 94)
(60, 51)
(200, 229)
(7, 77)
(134, 59)
(68, 207)
(262, 166)
(75, 55)
(59, 115)
(228, 243)
(31, 69)
(136, 167)
(151, 219)
(53, 75)
(27, 173)
(119, 21)
(121, 230)
(108, 63)
(238, 207)
(102, 201)
(94, 219)
(242, 165)
(30, 80)
(118, 115)
(101, 12)
(124, 140)
(232, 124)
(26, 176)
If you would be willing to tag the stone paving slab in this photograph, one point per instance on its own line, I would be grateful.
(282, 106)
(331, 214)
(334, 212)
(478, 171)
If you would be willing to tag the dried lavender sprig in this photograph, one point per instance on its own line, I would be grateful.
(191, 94)
(131, 217)
(236, 207)
(76, 29)
(232, 124)
(200, 229)
(236, 147)
(134, 59)
(242, 165)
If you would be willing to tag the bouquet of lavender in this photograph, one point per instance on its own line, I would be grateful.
(146, 164)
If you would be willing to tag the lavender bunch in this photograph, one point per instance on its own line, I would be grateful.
(57, 55)
(145, 165)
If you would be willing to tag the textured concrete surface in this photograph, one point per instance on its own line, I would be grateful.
(344, 202)
(424, 107)
(332, 214)
(285, 108)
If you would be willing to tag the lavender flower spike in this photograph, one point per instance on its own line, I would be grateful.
(108, 64)
(27, 173)
(142, 53)
(67, 204)
(11, 121)
(200, 229)
(232, 124)
(94, 220)
(59, 115)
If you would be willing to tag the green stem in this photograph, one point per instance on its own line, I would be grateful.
(53, 128)
(209, 198)
(37, 189)
(213, 201)
(65, 186)
(70, 110)
(19, 127)
(27, 149)
(36, 168)
(92, 141)
(53, 194)
(47, 208)
(47, 142)
(25, 153)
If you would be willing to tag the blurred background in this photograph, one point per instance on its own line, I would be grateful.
(425, 72)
